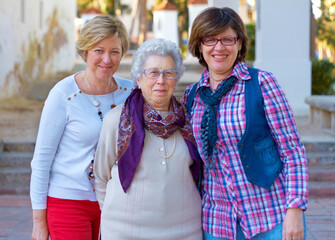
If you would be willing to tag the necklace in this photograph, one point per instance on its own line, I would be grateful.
(95, 102)
(159, 150)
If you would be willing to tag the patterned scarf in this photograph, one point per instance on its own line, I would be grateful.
(208, 135)
(137, 115)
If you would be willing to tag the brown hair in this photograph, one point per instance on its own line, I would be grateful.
(99, 28)
(213, 21)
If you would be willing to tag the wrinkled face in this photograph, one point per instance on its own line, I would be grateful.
(157, 92)
(103, 59)
(220, 58)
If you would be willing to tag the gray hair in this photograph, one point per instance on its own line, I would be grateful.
(160, 47)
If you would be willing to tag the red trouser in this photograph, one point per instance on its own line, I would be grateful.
(73, 219)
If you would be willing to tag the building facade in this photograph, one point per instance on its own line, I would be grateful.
(36, 41)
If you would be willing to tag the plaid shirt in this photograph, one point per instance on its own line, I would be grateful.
(227, 196)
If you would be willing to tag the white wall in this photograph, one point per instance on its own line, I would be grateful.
(195, 9)
(234, 4)
(166, 25)
(193, 12)
(36, 39)
(282, 47)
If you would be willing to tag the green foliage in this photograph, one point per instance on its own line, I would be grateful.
(183, 50)
(323, 77)
(81, 5)
(105, 6)
(110, 6)
(250, 28)
(325, 24)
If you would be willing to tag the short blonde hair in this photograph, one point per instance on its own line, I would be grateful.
(99, 28)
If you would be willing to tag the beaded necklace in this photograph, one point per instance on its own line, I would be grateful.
(96, 103)
(164, 162)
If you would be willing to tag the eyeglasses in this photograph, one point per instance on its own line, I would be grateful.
(154, 73)
(226, 41)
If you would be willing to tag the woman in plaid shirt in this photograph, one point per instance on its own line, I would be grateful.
(255, 179)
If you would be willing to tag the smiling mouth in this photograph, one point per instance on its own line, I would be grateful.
(104, 67)
(220, 57)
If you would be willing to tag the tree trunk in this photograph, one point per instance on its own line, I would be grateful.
(142, 4)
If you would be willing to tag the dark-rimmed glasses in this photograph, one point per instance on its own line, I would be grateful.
(226, 41)
(154, 73)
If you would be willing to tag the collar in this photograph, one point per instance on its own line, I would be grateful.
(240, 71)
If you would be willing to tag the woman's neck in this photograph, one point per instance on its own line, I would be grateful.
(215, 79)
(100, 87)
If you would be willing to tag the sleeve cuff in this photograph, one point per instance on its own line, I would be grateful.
(297, 203)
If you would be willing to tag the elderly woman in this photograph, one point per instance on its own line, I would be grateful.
(255, 170)
(146, 161)
(62, 194)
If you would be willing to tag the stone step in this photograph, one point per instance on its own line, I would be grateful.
(312, 147)
(317, 174)
(15, 159)
(321, 189)
(14, 190)
(321, 181)
(17, 180)
(16, 146)
(322, 159)
(15, 177)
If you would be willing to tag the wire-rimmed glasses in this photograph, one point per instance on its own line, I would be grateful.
(155, 73)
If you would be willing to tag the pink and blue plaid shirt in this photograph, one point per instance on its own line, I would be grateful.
(227, 196)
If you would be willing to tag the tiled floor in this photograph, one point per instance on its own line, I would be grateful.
(321, 219)
(16, 218)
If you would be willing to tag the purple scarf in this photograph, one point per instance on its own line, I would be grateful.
(135, 115)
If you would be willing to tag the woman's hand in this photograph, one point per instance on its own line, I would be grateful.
(293, 228)
(40, 227)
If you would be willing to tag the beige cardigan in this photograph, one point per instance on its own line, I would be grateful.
(162, 201)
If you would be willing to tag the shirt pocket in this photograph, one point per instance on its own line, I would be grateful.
(267, 151)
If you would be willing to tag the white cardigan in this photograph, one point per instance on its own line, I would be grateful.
(66, 141)
(162, 201)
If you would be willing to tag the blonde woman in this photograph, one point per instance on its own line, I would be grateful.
(62, 193)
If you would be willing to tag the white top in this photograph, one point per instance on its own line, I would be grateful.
(66, 141)
(162, 201)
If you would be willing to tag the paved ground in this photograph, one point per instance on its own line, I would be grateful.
(16, 218)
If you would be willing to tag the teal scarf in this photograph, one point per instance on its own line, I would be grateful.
(211, 100)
